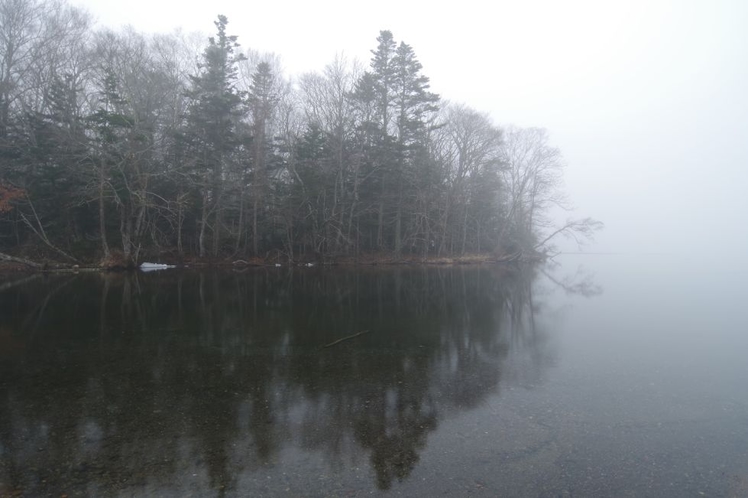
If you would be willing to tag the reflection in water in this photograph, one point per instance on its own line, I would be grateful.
(175, 381)
(581, 283)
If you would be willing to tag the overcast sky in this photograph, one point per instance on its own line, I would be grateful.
(646, 99)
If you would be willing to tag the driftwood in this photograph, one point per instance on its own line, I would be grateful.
(8, 257)
(344, 339)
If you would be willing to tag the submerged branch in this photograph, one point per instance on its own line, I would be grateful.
(585, 287)
(15, 283)
(344, 339)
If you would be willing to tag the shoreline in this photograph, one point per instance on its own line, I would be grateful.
(367, 260)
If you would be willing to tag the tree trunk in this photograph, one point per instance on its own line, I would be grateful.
(180, 220)
(102, 214)
(380, 225)
(464, 231)
(255, 245)
(203, 223)
(217, 227)
(241, 220)
(398, 228)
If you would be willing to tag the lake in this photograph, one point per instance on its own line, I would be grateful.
(592, 375)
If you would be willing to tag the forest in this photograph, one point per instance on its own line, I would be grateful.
(118, 147)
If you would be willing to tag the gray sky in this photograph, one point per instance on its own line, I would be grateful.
(646, 99)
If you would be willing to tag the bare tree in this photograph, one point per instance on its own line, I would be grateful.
(472, 146)
(325, 100)
(533, 177)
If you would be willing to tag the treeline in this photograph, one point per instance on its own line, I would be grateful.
(120, 145)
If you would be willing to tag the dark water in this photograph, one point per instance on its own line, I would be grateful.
(469, 381)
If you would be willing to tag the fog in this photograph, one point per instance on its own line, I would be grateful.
(646, 100)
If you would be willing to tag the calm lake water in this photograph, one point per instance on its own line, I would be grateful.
(594, 376)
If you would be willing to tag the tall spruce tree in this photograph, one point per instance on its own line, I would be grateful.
(405, 107)
(414, 107)
(216, 108)
(383, 74)
(262, 101)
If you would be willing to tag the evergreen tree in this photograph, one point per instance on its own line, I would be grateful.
(215, 110)
(414, 106)
(404, 109)
(262, 102)
(111, 125)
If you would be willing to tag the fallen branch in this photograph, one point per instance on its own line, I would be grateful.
(344, 339)
(41, 233)
(8, 257)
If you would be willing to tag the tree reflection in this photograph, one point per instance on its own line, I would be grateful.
(195, 379)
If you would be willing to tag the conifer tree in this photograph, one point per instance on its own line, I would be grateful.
(216, 108)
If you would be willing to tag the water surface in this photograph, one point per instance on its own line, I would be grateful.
(596, 376)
